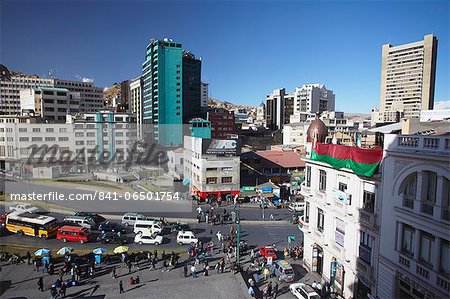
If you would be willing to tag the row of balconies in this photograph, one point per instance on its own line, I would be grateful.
(427, 208)
(425, 271)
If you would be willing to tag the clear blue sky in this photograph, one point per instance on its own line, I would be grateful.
(248, 48)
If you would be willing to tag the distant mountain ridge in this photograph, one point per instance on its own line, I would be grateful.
(214, 103)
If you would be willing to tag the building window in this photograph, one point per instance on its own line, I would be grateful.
(342, 187)
(369, 201)
(410, 186)
(49, 130)
(407, 239)
(307, 212)
(211, 169)
(339, 234)
(320, 219)
(366, 245)
(36, 130)
(445, 257)
(429, 185)
(426, 244)
(62, 130)
(227, 180)
(211, 180)
(322, 180)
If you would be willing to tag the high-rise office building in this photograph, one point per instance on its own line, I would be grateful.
(162, 107)
(204, 96)
(407, 79)
(192, 87)
(279, 107)
(313, 98)
(91, 96)
(49, 103)
(136, 103)
(10, 85)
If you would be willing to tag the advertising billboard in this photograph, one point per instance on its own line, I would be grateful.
(221, 146)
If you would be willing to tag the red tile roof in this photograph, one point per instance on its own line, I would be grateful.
(284, 159)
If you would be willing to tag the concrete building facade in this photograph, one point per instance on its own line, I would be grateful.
(212, 167)
(340, 228)
(91, 96)
(407, 79)
(10, 86)
(49, 103)
(414, 255)
(136, 103)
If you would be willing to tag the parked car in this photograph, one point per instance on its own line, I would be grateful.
(179, 226)
(186, 237)
(73, 234)
(268, 252)
(109, 226)
(3, 219)
(130, 218)
(81, 221)
(24, 208)
(96, 217)
(283, 271)
(303, 291)
(112, 237)
(148, 239)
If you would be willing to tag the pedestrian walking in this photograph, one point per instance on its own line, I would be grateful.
(121, 287)
(113, 273)
(53, 292)
(28, 258)
(40, 284)
(185, 270)
(62, 290)
(194, 271)
(129, 266)
(269, 290)
(275, 290)
(36, 264)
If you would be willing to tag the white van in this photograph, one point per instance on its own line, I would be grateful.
(130, 218)
(147, 227)
(87, 222)
(186, 237)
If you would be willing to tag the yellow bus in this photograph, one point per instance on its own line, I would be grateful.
(31, 224)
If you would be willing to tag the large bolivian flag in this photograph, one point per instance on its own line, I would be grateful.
(362, 161)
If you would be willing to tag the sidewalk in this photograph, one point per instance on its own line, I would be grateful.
(21, 282)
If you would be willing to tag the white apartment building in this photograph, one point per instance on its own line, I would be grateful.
(295, 133)
(10, 86)
(313, 98)
(92, 134)
(341, 228)
(414, 257)
(91, 95)
(175, 163)
(407, 79)
(212, 167)
(136, 103)
(204, 95)
(261, 115)
(50, 103)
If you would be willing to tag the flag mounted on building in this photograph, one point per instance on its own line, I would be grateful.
(362, 161)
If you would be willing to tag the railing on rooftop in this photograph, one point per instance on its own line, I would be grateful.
(426, 143)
